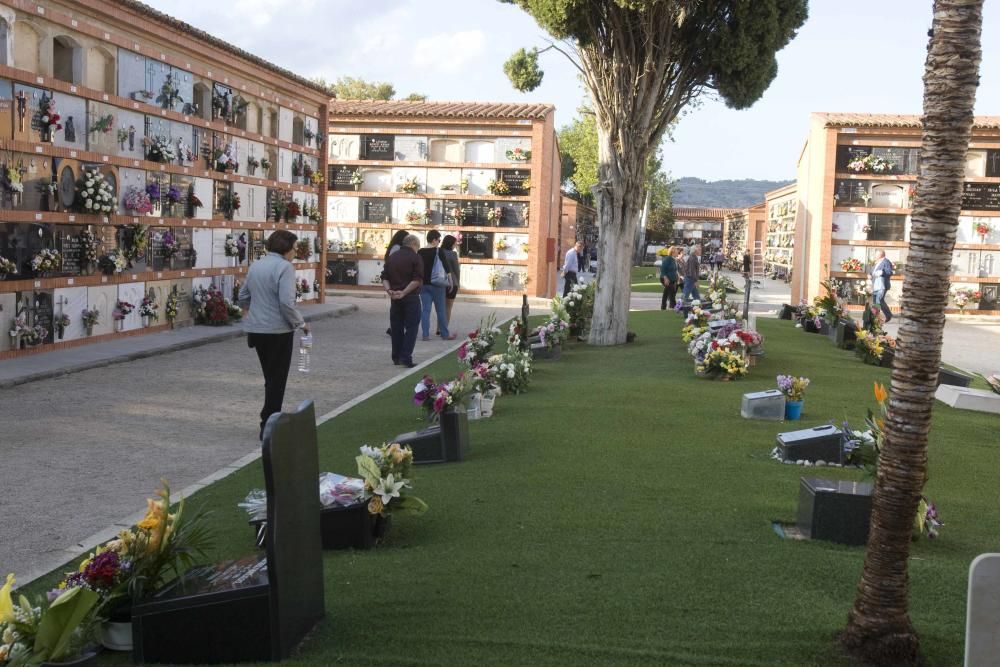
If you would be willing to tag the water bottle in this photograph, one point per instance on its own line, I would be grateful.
(305, 345)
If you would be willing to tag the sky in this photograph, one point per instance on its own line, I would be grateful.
(850, 56)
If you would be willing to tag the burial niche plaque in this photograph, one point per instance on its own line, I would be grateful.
(517, 181)
(374, 209)
(378, 147)
(339, 178)
(477, 245)
(981, 197)
(256, 608)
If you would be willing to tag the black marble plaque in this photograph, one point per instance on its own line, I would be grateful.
(477, 245)
(477, 212)
(993, 163)
(68, 240)
(156, 259)
(513, 215)
(257, 247)
(847, 153)
(339, 178)
(41, 313)
(452, 212)
(849, 192)
(886, 227)
(378, 147)
(981, 197)
(515, 180)
(990, 296)
(341, 272)
(374, 209)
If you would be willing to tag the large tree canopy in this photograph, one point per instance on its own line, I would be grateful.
(353, 88)
(643, 62)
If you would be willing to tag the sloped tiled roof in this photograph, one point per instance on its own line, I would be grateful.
(181, 26)
(895, 120)
(407, 109)
(703, 213)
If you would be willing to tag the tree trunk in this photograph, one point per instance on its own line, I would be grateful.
(618, 194)
(879, 630)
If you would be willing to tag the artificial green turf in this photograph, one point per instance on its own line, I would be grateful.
(646, 279)
(620, 513)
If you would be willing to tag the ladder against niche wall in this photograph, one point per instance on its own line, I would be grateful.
(757, 265)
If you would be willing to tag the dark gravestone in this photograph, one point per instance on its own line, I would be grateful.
(846, 334)
(477, 245)
(514, 215)
(516, 180)
(947, 376)
(444, 443)
(339, 178)
(342, 272)
(372, 209)
(821, 443)
(835, 510)
(341, 527)
(981, 197)
(990, 296)
(993, 163)
(68, 239)
(260, 607)
(846, 154)
(378, 147)
(849, 192)
(477, 212)
(786, 312)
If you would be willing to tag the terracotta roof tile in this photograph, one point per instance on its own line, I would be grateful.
(181, 26)
(703, 213)
(895, 120)
(407, 109)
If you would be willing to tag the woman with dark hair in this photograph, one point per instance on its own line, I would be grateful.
(452, 266)
(431, 294)
(269, 294)
(395, 243)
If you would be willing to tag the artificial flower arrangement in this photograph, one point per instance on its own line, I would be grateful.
(851, 265)
(511, 372)
(502, 243)
(93, 193)
(794, 388)
(498, 186)
(223, 161)
(555, 331)
(870, 164)
(103, 124)
(252, 164)
(122, 310)
(518, 155)
(409, 186)
(170, 309)
(307, 171)
(13, 180)
(828, 306)
(230, 247)
(303, 249)
(159, 149)
(7, 267)
(173, 195)
(137, 237)
(495, 277)
(149, 308)
(301, 288)
(265, 164)
(982, 228)
(154, 193)
(386, 474)
(413, 217)
(963, 296)
(724, 359)
(292, 211)
(463, 185)
(494, 215)
(229, 202)
(696, 322)
(90, 317)
(113, 262)
(579, 304)
(169, 244)
(138, 201)
(278, 207)
(46, 260)
(48, 117)
(476, 349)
(194, 202)
(357, 178)
(317, 179)
(865, 449)
(458, 213)
(444, 397)
(872, 342)
(35, 335)
(212, 308)
(61, 322)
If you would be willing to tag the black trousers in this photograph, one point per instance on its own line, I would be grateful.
(669, 294)
(275, 354)
(570, 281)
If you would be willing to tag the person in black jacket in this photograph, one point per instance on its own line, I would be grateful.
(432, 295)
(454, 268)
(395, 243)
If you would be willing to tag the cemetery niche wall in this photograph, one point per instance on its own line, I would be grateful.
(113, 170)
(845, 216)
(467, 170)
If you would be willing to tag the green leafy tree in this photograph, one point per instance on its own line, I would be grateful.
(578, 154)
(660, 220)
(643, 62)
(351, 88)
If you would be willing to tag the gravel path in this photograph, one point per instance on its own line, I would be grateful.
(81, 452)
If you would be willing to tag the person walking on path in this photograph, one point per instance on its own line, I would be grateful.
(435, 284)
(267, 296)
(402, 277)
(692, 268)
(669, 278)
(571, 267)
(395, 243)
(454, 268)
(881, 278)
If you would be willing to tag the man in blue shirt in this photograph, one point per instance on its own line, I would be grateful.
(571, 266)
(881, 276)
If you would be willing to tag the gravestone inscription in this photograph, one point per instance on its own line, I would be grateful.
(378, 147)
(339, 178)
(981, 197)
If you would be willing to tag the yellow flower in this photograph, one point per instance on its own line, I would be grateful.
(375, 505)
(148, 523)
(6, 604)
(880, 393)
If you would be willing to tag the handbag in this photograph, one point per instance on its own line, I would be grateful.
(439, 277)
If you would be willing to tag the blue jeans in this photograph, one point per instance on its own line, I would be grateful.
(878, 298)
(691, 289)
(404, 316)
(433, 296)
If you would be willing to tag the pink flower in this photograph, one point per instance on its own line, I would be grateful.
(462, 351)
(419, 398)
(440, 402)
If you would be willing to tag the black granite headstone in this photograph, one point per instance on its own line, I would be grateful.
(513, 214)
(835, 510)
(374, 209)
(257, 608)
(477, 245)
(990, 298)
(378, 147)
(993, 163)
(68, 240)
(443, 443)
(981, 197)
(339, 177)
(516, 180)
(948, 376)
(821, 443)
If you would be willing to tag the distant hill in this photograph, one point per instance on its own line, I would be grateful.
(722, 194)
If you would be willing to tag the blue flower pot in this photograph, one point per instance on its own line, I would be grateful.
(793, 410)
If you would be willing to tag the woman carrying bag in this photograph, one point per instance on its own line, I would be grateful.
(437, 280)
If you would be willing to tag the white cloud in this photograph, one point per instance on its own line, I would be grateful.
(449, 53)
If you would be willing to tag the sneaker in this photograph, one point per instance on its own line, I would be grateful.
(408, 364)
(425, 338)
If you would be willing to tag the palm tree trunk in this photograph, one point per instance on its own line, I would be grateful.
(879, 630)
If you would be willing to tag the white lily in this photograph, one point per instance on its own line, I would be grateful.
(388, 488)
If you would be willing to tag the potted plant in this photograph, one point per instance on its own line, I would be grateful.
(794, 389)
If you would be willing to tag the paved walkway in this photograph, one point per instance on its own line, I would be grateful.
(82, 451)
(970, 342)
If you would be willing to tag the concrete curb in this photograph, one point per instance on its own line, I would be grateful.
(213, 337)
(61, 557)
(514, 301)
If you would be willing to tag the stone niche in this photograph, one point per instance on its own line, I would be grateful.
(480, 151)
(6, 109)
(128, 134)
(285, 159)
(127, 180)
(159, 290)
(370, 272)
(286, 119)
(132, 80)
(344, 146)
(25, 112)
(505, 144)
(36, 174)
(479, 180)
(74, 121)
(400, 207)
(203, 191)
(408, 148)
(439, 180)
(102, 128)
(8, 311)
(132, 293)
(103, 298)
(975, 164)
(186, 140)
(181, 287)
(888, 195)
(219, 259)
(201, 241)
(446, 150)
(401, 174)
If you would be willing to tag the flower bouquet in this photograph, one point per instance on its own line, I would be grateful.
(357, 178)
(136, 239)
(498, 186)
(93, 193)
(438, 398)
(265, 164)
(112, 263)
(252, 164)
(852, 265)
(7, 267)
(870, 164)
(518, 155)
(229, 203)
(554, 332)
(171, 247)
(138, 201)
(301, 288)
(794, 388)
(231, 248)
(385, 471)
(510, 372)
(48, 117)
(159, 149)
(292, 211)
(171, 308)
(724, 360)
(982, 228)
(409, 186)
(494, 215)
(963, 296)
(829, 306)
(212, 308)
(12, 180)
(46, 260)
(149, 309)
(122, 310)
(173, 195)
(303, 249)
(872, 346)
(413, 217)
(476, 349)
(90, 317)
